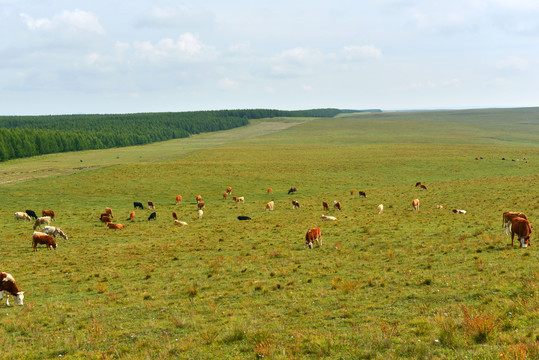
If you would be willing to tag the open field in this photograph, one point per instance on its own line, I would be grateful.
(425, 284)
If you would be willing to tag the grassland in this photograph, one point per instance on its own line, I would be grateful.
(404, 284)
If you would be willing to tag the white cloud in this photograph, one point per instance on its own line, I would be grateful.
(186, 48)
(299, 61)
(71, 21)
(228, 84)
(361, 52)
(307, 88)
(512, 63)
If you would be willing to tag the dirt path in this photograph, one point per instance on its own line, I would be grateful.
(21, 170)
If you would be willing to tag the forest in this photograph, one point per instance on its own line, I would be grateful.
(25, 136)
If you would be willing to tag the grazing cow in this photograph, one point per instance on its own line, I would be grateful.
(201, 205)
(415, 204)
(362, 193)
(313, 235)
(109, 211)
(270, 190)
(178, 199)
(240, 199)
(42, 238)
(151, 205)
(48, 213)
(439, 207)
(105, 218)
(380, 208)
(508, 215)
(337, 205)
(293, 189)
(224, 196)
(522, 228)
(417, 183)
(200, 213)
(325, 205)
(179, 223)
(9, 287)
(270, 205)
(352, 192)
(199, 199)
(328, 218)
(153, 216)
(174, 215)
(131, 216)
(137, 204)
(115, 226)
(55, 231)
(19, 215)
(228, 190)
(244, 217)
(458, 211)
(42, 220)
(31, 213)
(295, 204)
(423, 187)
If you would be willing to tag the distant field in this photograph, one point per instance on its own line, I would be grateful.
(404, 284)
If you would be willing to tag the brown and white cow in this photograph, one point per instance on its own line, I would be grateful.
(459, 211)
(229, 190)
(337, 205)
(508, 216)
(415, 204)
(313, 235)
(44, 239)
(270, 205)
(54, 231)
(115, 226)
(295, 204)
(48, 213)
(522, 228)
(201, 205)
(109, 211)
(42, 220)
(151, 205)
(325, 205)
(380, 208)
(22, 216)
(9, 287)
(178, 199)
(240, 199)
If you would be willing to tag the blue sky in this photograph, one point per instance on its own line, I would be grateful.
(70, 56)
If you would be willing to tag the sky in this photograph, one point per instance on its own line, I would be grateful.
(111, 56)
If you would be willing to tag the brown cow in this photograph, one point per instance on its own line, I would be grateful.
(415, 204)
(131, 216)
(224, 196)
(337, 205)
(9, 287)
(229, 190)
(523, 229)
(423, 187)
(199, 198)
(151, 205)
(352, 192)
(178, 199)
(270, 190)
(295, 204)
(313, 235)
(109, 211)
(42, 238)
(201, 205)
(48, 213)
(115, 226)
(508, 216)
(174, 215)
(105, 218)
(325, 205)
(417, 183)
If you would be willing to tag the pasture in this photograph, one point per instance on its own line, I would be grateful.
(402, 284)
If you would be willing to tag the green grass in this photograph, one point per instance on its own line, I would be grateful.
(404, 284)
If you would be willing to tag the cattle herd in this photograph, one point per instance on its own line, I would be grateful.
(515, 222)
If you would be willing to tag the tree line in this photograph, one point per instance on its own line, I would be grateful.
(24, 136)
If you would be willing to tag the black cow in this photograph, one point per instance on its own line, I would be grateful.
(31, 213)
(362, 193)
(294, 189)
(244, 218)
(153, 216)
(138, 205)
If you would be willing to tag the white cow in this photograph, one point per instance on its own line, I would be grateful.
(179, 223)
(54, 231)
(328, 218)
(270, 205)
(200, 213)
(22, 216)
(42, 220)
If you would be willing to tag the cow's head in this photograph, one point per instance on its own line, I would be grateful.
(19, 297)
(310, 243)
(54, 246)
(525, 241)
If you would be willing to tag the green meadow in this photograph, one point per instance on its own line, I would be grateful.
(426, 284)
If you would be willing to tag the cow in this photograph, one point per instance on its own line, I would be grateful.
(415, 204)
(131, 216)
(522, 228)
(151, 205)
(48, 213)
(362, 194)
(31, 213)
(507, 216)
(19, 215)
(137, 204)
(201, 205)
(423, 187)
(325, 205)
(105, 218)
(179, 223)
(270, 205)
(295, 204)
(224, 196)
(240, 199)
(200, 213)
(109, 211)
(313, 235)
(115, 226)
(229, 190)
(293, 189)
(174, 215)
(328, 218)
(42, 220)
(337, 205)
(42, 238)
(178, 199)
(55, 231)
(439, 207)
(418, 184)
(380, 208)
(199, 199)
(9, 287)
(241, 217)
(153, 216)
(270, 190)
(352, 192)
(459, 211)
